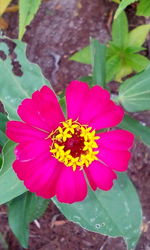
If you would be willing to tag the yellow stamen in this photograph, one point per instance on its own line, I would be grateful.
(73, 144)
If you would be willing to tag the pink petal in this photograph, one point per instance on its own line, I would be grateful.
(42, 110)
(76, 94)
(71, 186)
(115, 159)
(92, 106)
(39, 175)
(26, 151)
(100, 176)
(22, 132)
(113, 148)
(116, 140)
(111, 116)
(96, 102)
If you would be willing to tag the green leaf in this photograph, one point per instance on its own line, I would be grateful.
(133, 49)
(125, 70)
(113, 65)
(16, 87)
(82, 56)
(112, 49)
(7, 156)
(62, 102)
(143, 8)
(123, 5)
(3, 138)
(114, 213)
(0, 161)
(10, 185)
(3, 120)
(134, 93)
(23, 210)
(98, 54)
(88, 79)
(138, 35)
(138, 128)
(137, 62)
(27, 11)
(94, 55)
(120, 30)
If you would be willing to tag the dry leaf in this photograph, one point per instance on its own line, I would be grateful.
(13, 8)
(3, 24)
(3, 5)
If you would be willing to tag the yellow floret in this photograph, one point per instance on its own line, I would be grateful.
(66, 131)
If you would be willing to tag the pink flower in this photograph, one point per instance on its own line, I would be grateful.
(55, 155)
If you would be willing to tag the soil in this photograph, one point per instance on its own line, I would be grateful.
(61, 28)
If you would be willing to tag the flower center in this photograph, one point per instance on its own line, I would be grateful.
(74, 144)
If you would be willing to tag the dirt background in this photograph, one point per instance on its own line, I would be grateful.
(61, 28)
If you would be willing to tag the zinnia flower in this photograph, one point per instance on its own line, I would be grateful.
(58, 155)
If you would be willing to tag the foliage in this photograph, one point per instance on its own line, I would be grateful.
(30, 78)
(122, 58)
(124, 46)
(123, 5)
(28, 207)
(138, 128)
(3, 138)
(98, 52)
(120, 31)
(143, 7)
(27, 11)
(134, 93)
(100, 212)
(10, 185)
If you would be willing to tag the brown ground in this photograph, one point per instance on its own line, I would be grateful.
(60, 28)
